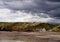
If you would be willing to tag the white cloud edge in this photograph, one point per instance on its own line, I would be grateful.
(7, 15)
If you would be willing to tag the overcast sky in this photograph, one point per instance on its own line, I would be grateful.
(47, 11)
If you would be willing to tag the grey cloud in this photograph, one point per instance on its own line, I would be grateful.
(54, 0)
(55, 13)
(54, 21)
(30, 5)
(49, 7)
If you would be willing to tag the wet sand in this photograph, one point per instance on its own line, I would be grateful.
(31, 36)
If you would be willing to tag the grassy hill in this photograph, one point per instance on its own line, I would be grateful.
(28, 26)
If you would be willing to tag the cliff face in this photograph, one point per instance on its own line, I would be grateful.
(25, 26)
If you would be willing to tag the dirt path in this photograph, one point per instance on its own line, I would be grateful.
(30, 36)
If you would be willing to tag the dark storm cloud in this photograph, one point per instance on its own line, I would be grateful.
(55, 13)
(54, 0)
(30, 5)
(49, 7)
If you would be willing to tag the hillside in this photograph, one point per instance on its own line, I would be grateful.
(27, 26)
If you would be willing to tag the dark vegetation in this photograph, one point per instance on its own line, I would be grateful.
(25, 26)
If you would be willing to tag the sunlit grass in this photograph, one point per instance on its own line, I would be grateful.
(27, 26)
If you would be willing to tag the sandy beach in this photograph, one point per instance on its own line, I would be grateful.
(30, 36)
